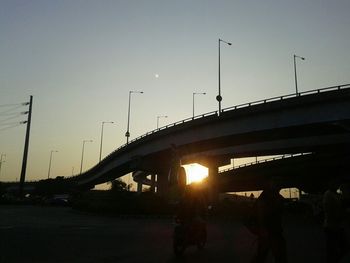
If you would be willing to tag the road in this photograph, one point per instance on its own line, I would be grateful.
(56, 234)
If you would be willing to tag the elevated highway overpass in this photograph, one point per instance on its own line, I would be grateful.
(316, 121)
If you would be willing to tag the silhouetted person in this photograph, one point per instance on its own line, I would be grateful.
(251, 197)
(190, 226)
(192, 207)
(269, 206)
(333, 223)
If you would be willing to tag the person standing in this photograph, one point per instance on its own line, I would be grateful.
(333, 224)
(269, 207)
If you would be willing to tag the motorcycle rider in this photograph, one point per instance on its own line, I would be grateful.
(192, 208)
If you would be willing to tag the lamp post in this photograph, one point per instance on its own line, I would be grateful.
(195, 93)
(1, 161)
(158, 117)
(48, 173)
(127, 134)
(102, 136)
(82, 155)
(219, 97)
(295, 72)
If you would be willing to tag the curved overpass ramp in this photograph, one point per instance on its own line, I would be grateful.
(315, 121)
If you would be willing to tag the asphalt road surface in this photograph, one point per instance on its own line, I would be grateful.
(56, 234)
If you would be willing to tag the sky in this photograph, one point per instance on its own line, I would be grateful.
(79, 60)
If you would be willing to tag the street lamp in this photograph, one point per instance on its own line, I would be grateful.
(102, 137)
(158, 117)
(195, 93)
(127, 134)
(82, 154)
(218, 97)
(1, 161)
(295, 72)
(48, 173)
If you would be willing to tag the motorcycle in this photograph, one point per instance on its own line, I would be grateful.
(189, 234)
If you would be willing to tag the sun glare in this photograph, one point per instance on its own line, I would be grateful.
(195, 172)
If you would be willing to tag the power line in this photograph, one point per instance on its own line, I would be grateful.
(9, 105)
(6, 128)
(8, 111)
(11, 118)
(12, 123)
(9, 114)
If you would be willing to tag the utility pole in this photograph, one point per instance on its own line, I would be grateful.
(26, 146)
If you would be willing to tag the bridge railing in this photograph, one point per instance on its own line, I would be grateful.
(244, 105)
(281, 157)
(213, 113)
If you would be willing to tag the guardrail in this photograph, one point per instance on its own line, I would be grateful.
(244, 105)
(285, 156)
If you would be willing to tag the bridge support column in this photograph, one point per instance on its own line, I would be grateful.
(153, 183)
(213, 165)
(162, 184)
(139, 187)
(213, 183)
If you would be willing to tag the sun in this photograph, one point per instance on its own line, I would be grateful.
(195, 172)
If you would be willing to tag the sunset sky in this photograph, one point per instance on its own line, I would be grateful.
(80, 59)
